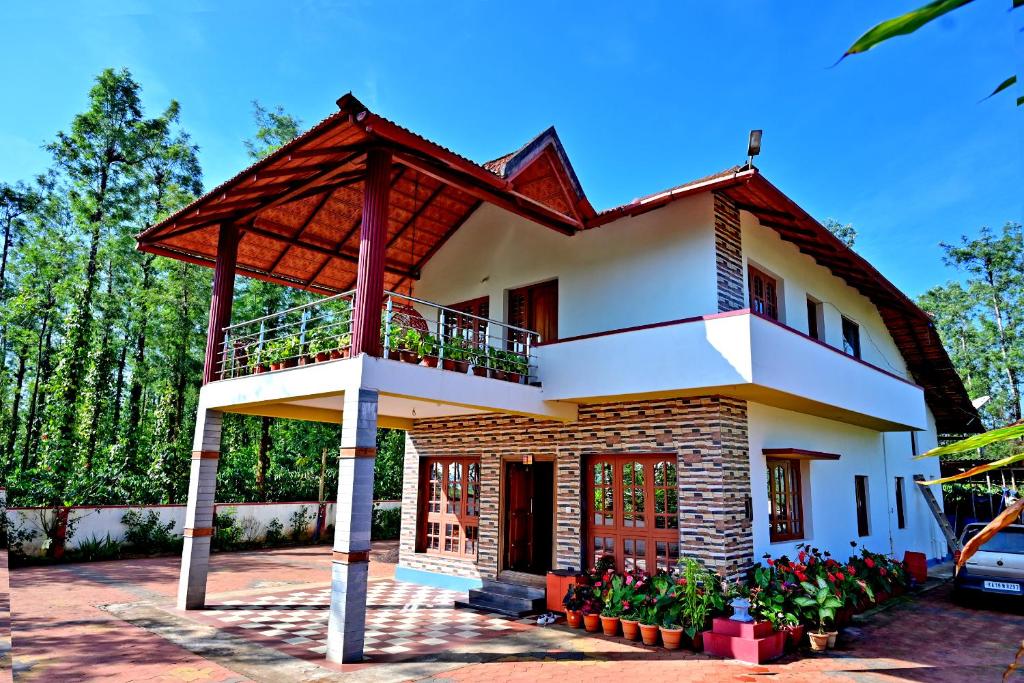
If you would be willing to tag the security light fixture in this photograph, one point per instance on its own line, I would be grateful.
(753, 146)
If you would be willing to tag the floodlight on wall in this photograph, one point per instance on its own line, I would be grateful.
(753, 145)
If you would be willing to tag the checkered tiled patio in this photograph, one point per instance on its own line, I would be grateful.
(403, 621)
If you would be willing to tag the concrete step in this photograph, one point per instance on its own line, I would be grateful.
(505, 598)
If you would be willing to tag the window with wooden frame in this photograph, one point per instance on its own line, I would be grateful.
(450, 507)
(633, 511)
(785, 513)
(860, 485)
(473, 329)
(815, 319)
(901, 515)
(764, 295)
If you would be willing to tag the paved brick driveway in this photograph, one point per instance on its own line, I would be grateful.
(115, 621)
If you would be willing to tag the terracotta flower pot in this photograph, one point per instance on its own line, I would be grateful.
(697, 642)
(480, 370)
(649, 633)
(610, 625)
(819, 641)
(630, 629)
(574, 618)
(322, 356)
(592, 622)
(429, 362)
(671, 638)
(260, 369)
(407, 356)
(306, 360)
(832, 635)
(455, 365)
(513, 377)
(339, 353)
(277, 365)
(498, 374)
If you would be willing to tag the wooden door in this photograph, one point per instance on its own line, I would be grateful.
(519, 517)
(535, 308)
(632, 511)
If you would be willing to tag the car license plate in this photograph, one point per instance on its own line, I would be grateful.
(1002, 586)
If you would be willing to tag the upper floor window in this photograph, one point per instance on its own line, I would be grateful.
(815, 319)
(534, 308)
(764, 297)
(851, 337)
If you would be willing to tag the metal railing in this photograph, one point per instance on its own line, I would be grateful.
(314, 332)
(419, 331)
(412, 330)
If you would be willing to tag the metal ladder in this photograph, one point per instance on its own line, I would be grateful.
(951, 540)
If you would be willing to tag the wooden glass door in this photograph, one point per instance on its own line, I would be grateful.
(535, 308)
(632, 511)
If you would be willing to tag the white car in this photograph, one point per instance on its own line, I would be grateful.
(998, 566)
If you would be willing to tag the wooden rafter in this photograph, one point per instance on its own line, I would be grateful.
(302, 228)
(324, 251)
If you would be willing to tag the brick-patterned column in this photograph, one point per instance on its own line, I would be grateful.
(202, 488)
(349, 569)
(728, 255)
(569, 530)
(714, 486)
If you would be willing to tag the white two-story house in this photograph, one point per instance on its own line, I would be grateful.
(702, 372)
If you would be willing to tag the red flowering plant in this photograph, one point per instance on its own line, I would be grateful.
(774, 589)
(636, 585)
(879, 572)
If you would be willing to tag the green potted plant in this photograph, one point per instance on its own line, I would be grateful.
(455, 355)
(479, 357)
(634, 591)
(592, 611)
(823, 602)
(495, 358)
(614, 591)
(668, 609)
(701, 594)
(283, 353)
(516, 367)
(647, 614)
(257, 358)
(409, 345)
(573, 602)
(428, 350)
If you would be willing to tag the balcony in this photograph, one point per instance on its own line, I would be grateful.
(436, 362)
(735, 354)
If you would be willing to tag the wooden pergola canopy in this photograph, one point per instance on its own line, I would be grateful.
(299, 210)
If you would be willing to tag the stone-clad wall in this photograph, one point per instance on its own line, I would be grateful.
(707, 434)
(728, 255)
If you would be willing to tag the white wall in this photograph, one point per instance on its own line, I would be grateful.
(801, 276)
(655, 267)
(828, 485)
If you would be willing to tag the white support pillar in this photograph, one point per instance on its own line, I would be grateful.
(202, 486)
(351, 557)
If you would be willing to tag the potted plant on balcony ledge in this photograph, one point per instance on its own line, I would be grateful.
(455, 356)
(479, 357)
(428, 350)
(283, 353)
(405, 343)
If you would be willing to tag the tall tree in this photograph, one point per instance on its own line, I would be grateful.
(846, 233)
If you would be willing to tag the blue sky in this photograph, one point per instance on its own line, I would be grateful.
(644, 95)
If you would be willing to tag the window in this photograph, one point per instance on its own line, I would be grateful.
(764, 299)
(534, 308)
(450, 499)
(633, 511)
(815, 319)
(851, 337)
(913, 443)
(901, 520)
(785, 513)
(472, 329)
(861, 490)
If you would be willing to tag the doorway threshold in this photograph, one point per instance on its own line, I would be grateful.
(523, 578)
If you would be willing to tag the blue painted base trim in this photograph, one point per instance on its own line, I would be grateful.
(454, 583)
(932, 561)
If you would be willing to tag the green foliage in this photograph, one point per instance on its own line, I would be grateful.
(387, 467)
(847, 234)
(275, 532)
(701, 595)
(904, 24)
(386, 524)
(146, 533)
(299, 524)
(94, 549)
(227, 535)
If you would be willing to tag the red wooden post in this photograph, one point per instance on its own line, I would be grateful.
(372, 244)
(220, 302)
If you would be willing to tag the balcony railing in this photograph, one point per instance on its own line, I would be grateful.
(412, 331)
